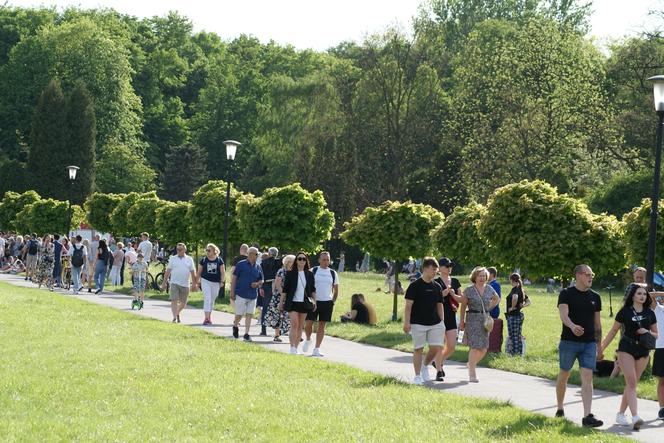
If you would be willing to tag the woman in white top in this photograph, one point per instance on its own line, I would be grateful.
(298, 297)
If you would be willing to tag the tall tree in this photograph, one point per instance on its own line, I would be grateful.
(184, 172)
(81, 138)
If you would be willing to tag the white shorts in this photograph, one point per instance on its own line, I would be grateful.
(244, 306)
(210, 292)
(427, 335)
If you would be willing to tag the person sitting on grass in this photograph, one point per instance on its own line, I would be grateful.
(360, 311)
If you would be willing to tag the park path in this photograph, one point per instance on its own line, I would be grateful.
(531, 393)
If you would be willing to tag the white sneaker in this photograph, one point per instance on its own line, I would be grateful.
(316, 353)
(417, 380)
(424, 372)
(622, 420)
(305, 346)
(293, 350)
(637, 422)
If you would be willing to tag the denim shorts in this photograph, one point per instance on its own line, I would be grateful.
(586, 353)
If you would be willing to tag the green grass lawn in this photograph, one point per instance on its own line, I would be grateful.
(75, 371)
(541, 328)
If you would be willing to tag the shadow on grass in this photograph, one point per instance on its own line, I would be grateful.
(530, 424)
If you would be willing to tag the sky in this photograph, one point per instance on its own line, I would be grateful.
(321, 24)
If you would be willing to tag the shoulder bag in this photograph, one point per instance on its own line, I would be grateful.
(488, 320)
(646, 340)
(308, 300)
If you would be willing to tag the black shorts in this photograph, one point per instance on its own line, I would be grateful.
(658, 363)
(298, 306)
(450, 317)
(323, 311)
(632, 348)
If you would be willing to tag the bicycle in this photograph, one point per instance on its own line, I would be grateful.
(156, 281)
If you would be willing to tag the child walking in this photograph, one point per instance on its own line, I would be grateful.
(139, 272)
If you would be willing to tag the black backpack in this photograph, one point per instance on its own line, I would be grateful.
(33, 247)
(77, 257)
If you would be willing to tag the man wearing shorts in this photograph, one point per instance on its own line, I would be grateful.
(423, 319)
(579, 308)
(327, 291)
(245, 283)
(180, 267)
(658, 362)
(31, 256)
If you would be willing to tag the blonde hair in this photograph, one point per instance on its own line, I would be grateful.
(288, 261)
(476, 271)
(120, 245)
(213, 246)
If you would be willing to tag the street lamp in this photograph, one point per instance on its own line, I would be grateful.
(231, 148)
(72, 176)
(658, 94)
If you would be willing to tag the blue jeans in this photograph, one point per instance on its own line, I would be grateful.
(76, 277)
(100, 275)
(569, 351)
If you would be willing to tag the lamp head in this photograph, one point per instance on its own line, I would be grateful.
(231, 148)
(658, 92)
(72, 172)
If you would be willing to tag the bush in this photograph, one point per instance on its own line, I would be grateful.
(458, 236)
(12, 203)
(172, 222)
(636, 226)
(99, 208)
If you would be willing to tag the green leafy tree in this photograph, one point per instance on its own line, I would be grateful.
(142, 214)
(458, 236)
(12, 203)
(622, 193)
(172, 224)
(120, 221)
(184, 172)
(636, 228)
(47, 216)
(13, 177)
(289, 217)
(81, 131)
(99, 208)
(121, 171)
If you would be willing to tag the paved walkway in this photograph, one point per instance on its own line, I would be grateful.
(531, 393)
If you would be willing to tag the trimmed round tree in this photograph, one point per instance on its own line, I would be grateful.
(172, 222)
(458, 236)
(99, 207)
(46, 216)
(12, 203)
(636, 225)
(120, 222)
(142, 214)
(290, 218)
(395, 231)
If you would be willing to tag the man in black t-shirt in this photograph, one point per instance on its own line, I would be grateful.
(579, 308)
(423, 319)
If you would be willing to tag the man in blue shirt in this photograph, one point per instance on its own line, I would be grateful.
(493, 273)
(496, 335)
(246, 281)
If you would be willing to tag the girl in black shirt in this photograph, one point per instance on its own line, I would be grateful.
(451, 291)
(633, 320)
(515, 301)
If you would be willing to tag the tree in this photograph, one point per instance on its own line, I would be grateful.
(99, 208)
(458, 236)
(172, 224)
(48, 160)
(12, 203)
(289, 217)
(120, 222)
(528, 225)
(13, 177)
(121, 171)
(81, 131)
(636, 228)
(142, 214)
(624, 192)
(190, 159)
(47, 216)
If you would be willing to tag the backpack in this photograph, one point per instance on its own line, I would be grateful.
(332, 271)
(33, 247)
(77, 257)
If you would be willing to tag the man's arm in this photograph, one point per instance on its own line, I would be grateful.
(233, 281)
(406, 315)
(335, 292)
(441, 311)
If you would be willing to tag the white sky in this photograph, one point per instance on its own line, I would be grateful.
(322, 24)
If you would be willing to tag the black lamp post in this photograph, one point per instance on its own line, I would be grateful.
(72, 176)
(658, 93)
(231, 148)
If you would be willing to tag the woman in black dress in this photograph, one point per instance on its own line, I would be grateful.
(451, 297)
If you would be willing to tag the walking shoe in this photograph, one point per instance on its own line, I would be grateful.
(661, 414)
(175, 320)
(277, 340)
(589, 421)
(305, 346)
(637, 422)
(263, 331)
(293, 350)
(178, 317)
(560, 413)
(440, 375)
(424, 373)
(316, 353)
(417, 380)
(97, 291)
(622, 420)
(89, 290)
(236, 332)
(247, 337)
(26, 278)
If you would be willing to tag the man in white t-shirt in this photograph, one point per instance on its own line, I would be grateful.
(180, 267)
(77, 262)
(658, 361)
(327, 291)
(145, 247)
(3, 243)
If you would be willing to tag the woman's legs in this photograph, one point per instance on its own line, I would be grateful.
(294, 334)
(632, 370)
(450, 344)
(474, 357)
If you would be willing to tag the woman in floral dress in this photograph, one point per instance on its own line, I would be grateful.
(44, 274)
(276, 319)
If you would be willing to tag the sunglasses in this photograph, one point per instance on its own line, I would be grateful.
(301, 259)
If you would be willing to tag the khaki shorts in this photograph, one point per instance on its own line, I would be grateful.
(427, 335)
(244, 306)
(31, 262)
(179, 293)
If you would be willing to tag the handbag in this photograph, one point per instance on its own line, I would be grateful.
(308, 300)
(488, 320)
(646, 340)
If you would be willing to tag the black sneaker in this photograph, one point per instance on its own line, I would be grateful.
(589, 421)
(263, 330)
(236, 332)
(661, 414)
(440, 375)
(247, 337)
(560, 413)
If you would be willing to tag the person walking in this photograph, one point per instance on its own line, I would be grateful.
(246, 280)
(32, 248)
(496, 334)
(102, 257)
(635, 319)
(92, 258)
(451, 296)
(327, 291)
(515, 301)
(278, 319)
(211, 278)
(57, 260)
(269, 266)
(658, 360)
(139, 277)
(78, 256)
(424, 320)
(44, 275)
(298, 297)
(178, 271)
(342, 262)
(118, 261)
(476, 303)
(145, 247)
(579, 309)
